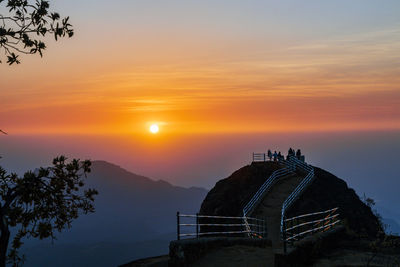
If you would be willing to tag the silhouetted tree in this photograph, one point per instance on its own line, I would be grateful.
(41, 203)
(25, 25)
(382, 240)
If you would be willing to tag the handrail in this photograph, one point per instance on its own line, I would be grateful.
(215, 224)
(263, 157)
(313, 230)
(311, 222)
(260, 157)
(212, 233)
(216, 217)
(310, 214)
(257, 224)
(299, 189)
(295, 163)
(291, 164)
(298, 163)
(297, 230)
(262, 191)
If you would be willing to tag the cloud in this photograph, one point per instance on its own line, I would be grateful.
(346, 81)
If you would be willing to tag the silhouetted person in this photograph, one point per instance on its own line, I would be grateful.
(290, 152)
(269, 154)
(275, 155)
(298, 154)
(279, 156)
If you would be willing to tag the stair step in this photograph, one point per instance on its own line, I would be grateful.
(270, 207)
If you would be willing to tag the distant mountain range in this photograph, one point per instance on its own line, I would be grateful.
(134, 218)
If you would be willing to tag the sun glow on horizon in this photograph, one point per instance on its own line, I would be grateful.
(286, 70)
(154, 129)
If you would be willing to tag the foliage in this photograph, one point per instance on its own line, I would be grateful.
(22, 30)
(41, 203)
(382, 240)
(371, 204)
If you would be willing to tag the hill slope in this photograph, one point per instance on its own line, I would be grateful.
(355, 243)
(328, 191)
(130, 210)
(229, 196)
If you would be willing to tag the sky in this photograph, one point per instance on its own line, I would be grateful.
(211, 67)
(222, 79)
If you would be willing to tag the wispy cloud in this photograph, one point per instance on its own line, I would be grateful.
(325, 78)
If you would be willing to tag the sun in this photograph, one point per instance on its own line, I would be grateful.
(154, 128)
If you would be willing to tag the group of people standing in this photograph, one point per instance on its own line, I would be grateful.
(278, 156)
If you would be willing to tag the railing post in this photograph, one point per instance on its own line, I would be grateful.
(264, 230)
(177, 226)
(255, 226)
(197, 225)
(313, 227)
(264, 157)
(284, 235)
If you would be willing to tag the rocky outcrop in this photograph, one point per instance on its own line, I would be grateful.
(327, 191)
(229, 195)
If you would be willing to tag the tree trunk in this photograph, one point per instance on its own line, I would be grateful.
(4, 238)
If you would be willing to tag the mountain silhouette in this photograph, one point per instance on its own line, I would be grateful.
(131, 210)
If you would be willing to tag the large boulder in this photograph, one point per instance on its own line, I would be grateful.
(230, 195)
(328, 191)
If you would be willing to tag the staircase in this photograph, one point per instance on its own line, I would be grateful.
(276, 195)
(271, 206)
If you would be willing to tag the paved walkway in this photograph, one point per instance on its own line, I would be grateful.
(271, 206)
(237, 256)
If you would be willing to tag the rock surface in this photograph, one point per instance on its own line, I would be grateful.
(186, 252)
(327, 191)
(229, 195)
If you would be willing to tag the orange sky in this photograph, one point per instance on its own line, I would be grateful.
(205, 82)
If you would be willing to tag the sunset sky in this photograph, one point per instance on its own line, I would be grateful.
(221, 79)
(223, 66)
(185, 91)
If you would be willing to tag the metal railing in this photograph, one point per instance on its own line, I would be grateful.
(263, 157)
(265, 187)
(298, 227)
(293, 163)
(260, 157)
(206, 225)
